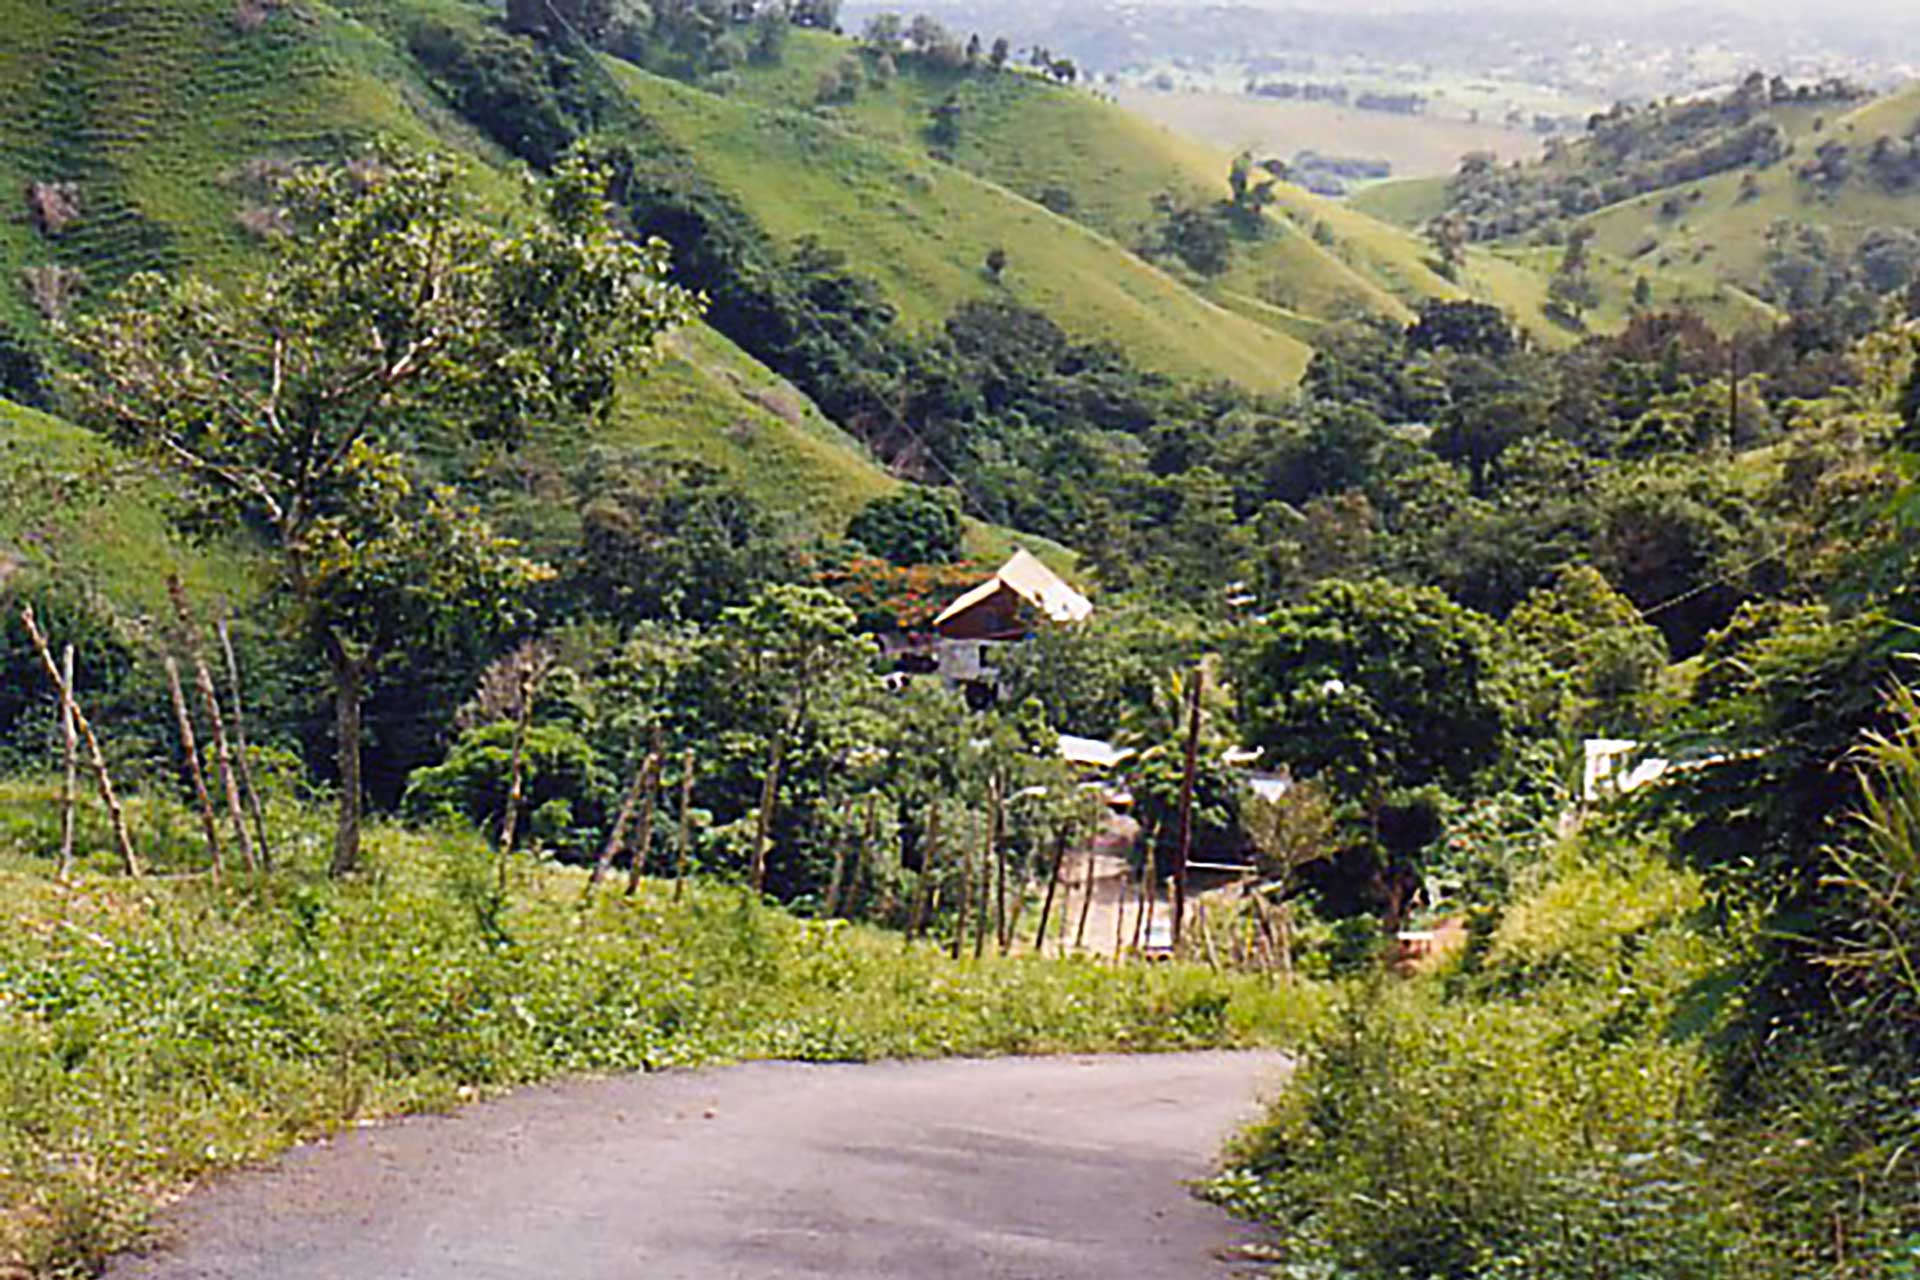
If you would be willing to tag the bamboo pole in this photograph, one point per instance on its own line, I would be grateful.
(685, 835)
(190, 754)
(242, 753)
(95, 756)
(70, 779)
(222, 750)
(649, 799)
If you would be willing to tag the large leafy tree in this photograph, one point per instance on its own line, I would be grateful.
(296, 405)
(1376, 687)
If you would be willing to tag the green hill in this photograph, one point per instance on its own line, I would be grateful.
(1690, 191)
(1318, 260)
(153, 121)
(923, 229)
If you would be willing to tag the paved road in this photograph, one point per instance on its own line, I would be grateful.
(1011, 1169)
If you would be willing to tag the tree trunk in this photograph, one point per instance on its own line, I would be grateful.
(190, 754)
(70, 780)
(996, 858)
(763, 826)
(242, 754)
(222, 753)
(1186, 802)
(686, 826)
(649, 798)
(98, 758)
(348, 675)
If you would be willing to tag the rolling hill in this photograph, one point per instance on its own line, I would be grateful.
(1661, 204)
(155, 118)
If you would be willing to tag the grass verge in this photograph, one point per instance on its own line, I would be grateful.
(153, 1034)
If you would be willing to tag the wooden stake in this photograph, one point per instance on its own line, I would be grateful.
(618, 836)
(983, 901)
(763, 826)
(929, 866)
(997, 859)
(517, 771)
(862, 855)
(242, 753)
(1053, 885)
(831, 907)
(70, 780)
(1186, 802)
(222, 752)
(650, 796)
(686, 825)
(190, 751)
(95, 756)
(966, 898)
(1086, 897)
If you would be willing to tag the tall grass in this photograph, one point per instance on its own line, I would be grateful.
(151, 1034)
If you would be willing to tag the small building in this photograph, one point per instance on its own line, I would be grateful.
(1003, 610)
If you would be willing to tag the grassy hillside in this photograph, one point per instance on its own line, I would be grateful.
(1320, 260)
(1722, 228)
(923, 230)
(69, 502)
(155, 114)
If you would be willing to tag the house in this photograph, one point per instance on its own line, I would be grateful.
(1003, 610)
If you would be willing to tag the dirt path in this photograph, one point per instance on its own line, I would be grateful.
(1035, 1169)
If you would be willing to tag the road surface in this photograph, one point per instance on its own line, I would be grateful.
(1022, 1169)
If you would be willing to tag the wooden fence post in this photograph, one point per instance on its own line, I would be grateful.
(242, 753)
(616, 837)
(222, 751)
(1186, 802)
(96, 757)
(1053, 886)
(685, 836)
(929, 867)
(649, 799)
(70, 779)
(190, 753)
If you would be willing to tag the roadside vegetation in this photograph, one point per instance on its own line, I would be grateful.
(154, 1033)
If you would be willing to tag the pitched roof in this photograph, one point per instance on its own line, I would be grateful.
(1033, 582)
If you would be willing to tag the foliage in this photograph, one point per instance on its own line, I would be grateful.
(150, 1043)
(1597, 663)
(1375, 686)
(289, 405)
(914, 526)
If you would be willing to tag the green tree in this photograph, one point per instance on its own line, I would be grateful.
(1377, 688)
(1595, 660)
(790, 653)
(288, 405)
(916, 525)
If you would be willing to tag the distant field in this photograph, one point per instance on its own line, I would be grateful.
(1415, 146)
